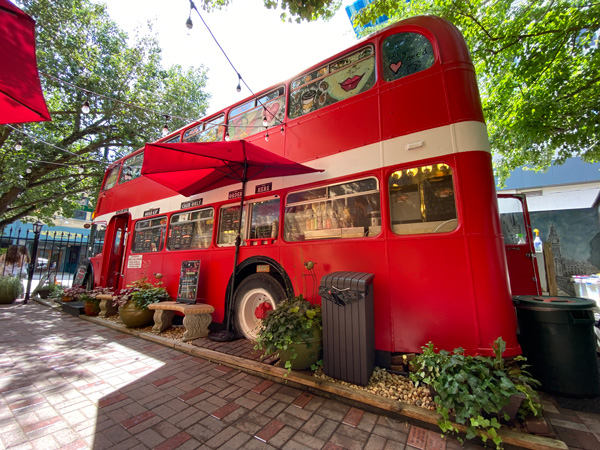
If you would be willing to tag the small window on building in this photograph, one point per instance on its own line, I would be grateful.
(191, 229)
(344, 210)
(345, 77)
(79, 214)
(132, 168)
(111, 177)
(149, 235)
(404, 54)
(228, 225)
(422, 200)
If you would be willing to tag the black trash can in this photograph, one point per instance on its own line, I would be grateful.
(557, 337)
(348, 326)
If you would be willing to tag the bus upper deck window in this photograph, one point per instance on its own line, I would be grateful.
(404, 54)
(132, 168)
(422, 200)
(341, 79)
(111, 178)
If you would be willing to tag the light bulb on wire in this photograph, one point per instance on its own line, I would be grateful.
(188, 23)
(227, 136)
(265, 121)
(165, 129)
(267, 136)
(86, 107)
(239, 86)
(19, 146)
(281, 129)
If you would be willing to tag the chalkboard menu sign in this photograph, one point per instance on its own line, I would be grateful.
(188, 281)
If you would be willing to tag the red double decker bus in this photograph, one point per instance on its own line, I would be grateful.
(406, 192)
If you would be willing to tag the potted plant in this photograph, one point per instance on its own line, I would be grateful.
(294, 331)
(475, 390)
(50, 291)
(91, 305)
(10, 289)
(133, 302)
(73, 293)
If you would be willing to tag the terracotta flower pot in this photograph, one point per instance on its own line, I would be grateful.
(134, 317)
(91, 308)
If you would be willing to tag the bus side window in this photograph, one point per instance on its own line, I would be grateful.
(264, 219)
(149, 235)
(422, 200)
(345, 210)
(111, 178)
(229, 223)
(191, 230)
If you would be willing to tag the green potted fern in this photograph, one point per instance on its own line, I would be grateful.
(10, 289)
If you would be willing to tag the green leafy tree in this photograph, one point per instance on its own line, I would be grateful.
(129, 93)
(291, 10)
(538, 66)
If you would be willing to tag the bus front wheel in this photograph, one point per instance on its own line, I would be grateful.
(256, 295)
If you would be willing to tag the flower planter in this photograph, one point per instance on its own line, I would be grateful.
(66, 298)
(134, 317)
(306, 356)
(91, 308)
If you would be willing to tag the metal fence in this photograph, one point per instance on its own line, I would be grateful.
(58, 253)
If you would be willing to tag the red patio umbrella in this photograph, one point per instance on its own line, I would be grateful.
(21, 97)
(195, 167)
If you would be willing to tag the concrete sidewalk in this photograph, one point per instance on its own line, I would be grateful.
(73, 384)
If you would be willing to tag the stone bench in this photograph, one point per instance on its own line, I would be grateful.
(196, 318)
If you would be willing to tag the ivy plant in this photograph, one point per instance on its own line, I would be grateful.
(473, 390)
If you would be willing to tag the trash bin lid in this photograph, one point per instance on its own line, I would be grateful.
(551, 302)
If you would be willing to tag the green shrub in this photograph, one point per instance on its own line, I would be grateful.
(10, 289)
(474, 389)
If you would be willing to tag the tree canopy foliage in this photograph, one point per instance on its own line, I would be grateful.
(84, 56)
(291, 10)
(538, 67)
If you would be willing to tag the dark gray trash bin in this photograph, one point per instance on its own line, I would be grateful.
(348, 326)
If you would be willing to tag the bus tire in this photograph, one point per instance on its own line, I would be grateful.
(253, 292)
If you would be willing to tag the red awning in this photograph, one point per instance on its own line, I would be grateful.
(21, 97)
(195, 167)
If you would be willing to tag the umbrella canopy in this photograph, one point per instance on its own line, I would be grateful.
(21, 98)
(195, 167)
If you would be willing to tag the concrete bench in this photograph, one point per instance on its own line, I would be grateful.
(196, 318)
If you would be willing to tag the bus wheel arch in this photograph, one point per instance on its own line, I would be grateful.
(257, 292)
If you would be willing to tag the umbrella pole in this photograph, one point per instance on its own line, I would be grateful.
(229, 334)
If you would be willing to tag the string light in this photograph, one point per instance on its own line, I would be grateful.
(188, 23)
(239, 86)
(227, 136)
(19, 146)
(86, 107)
(281, 129)
(267, 136)
(165, 129)
(265, 121)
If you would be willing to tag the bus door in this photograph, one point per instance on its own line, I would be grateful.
(114, 250)
(518, 244)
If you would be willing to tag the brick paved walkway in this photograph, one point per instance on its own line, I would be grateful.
(71, 384)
